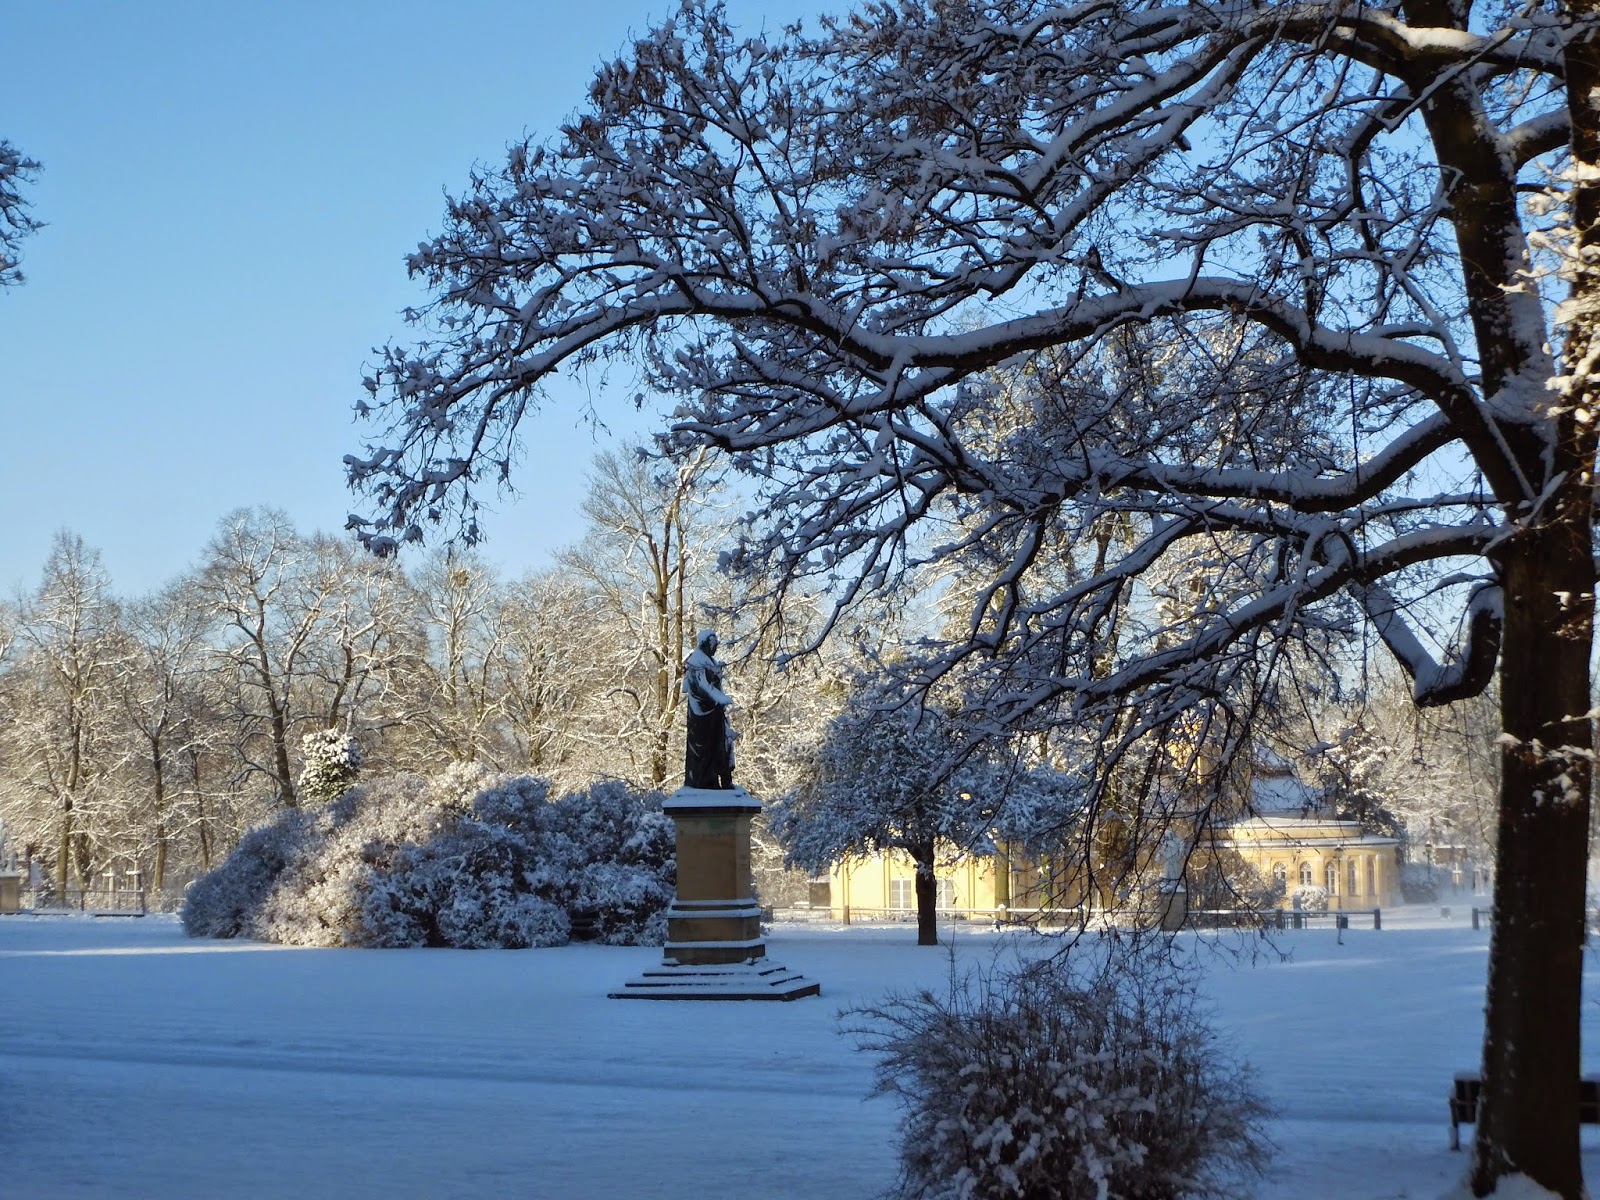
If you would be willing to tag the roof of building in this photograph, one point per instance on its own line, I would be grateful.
(1276, 790)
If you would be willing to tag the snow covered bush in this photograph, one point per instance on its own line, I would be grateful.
(333, 761)
(1419, 883)
(1045, 1082)
(482, 882)
(463, 859)
(1310, 897)
(620, 852)
(320, 899)
(224, 902)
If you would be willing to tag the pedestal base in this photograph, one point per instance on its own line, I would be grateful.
(714, 947)
(757, 980)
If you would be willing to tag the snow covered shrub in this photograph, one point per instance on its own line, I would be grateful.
(1310, 897)
(464, 859)
(1043, 1082)
(618, 848)
(333, 760)
(320, 898)
(483, 882)
(1419, 883)
(224, 902)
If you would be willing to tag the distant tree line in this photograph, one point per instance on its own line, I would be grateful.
(152, 732)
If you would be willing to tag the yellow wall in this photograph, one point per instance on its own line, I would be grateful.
(865, 883)
(1376, 876)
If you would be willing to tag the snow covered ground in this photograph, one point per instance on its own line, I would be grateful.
(137, 1063)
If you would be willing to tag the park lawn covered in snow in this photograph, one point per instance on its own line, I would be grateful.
(136, 1062)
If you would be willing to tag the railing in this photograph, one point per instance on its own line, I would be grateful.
(1221, 918)
(850, 913)
(97, 902)
(1305, 918)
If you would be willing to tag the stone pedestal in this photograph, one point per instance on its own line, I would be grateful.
(10, 891)
(714, 949)
(1174, 910)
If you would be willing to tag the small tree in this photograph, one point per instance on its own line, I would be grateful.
(333, 762)
(881, 781)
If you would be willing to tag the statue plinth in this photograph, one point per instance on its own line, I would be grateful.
(714, 949)
(715, 917)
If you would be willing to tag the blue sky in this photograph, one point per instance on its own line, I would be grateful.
(229, 191)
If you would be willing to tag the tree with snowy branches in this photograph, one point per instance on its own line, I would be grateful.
(16, 169)
(879, 782)
(1303, 298)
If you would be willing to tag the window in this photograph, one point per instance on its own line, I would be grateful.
(947, 893)
(1306, 878)
(1280, 874)
(1332, 873)
(1355, 885)
(902, 893)
(1372, 878)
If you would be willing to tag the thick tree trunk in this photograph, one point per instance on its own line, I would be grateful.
(1528, 1123)
(927, 888)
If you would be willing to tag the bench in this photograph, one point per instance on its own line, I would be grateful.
(1469, 1085)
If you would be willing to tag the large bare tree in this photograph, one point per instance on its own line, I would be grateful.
(1361, 237)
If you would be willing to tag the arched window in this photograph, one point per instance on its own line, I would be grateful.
(1372, 876)
(1306, 877)
(1280, 874)
(1355, 883)
(1332, 873)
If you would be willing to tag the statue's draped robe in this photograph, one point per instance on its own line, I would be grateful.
(708, 753)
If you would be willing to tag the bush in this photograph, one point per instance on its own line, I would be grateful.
(224, 902)
(1419, 883)
(463, 859)
(1044, 1083)
(333, 762)
(1310, 897)
(622, 869)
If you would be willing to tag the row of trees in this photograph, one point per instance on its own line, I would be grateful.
(151, 732)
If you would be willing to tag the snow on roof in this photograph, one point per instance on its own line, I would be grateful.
(1276, 789)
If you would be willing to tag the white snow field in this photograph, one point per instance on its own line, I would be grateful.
(135, 1062)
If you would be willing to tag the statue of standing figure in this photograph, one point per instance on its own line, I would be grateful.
(708, 753)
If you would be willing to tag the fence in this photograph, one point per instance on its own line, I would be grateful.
(97, 902)
(1229, 918)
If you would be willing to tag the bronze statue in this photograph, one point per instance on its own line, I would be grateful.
(708, 752)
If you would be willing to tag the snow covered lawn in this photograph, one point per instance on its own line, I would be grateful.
(135, 1062)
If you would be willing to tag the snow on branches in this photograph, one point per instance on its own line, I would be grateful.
(1205, 253)
(16, 168)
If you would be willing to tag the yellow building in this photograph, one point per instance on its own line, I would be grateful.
(1292, 838)
(885, 885)
(1289, 836)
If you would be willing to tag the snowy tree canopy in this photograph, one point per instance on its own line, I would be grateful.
(1284, 313)
(1222, 245)
(16, 168)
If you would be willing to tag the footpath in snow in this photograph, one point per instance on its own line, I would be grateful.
(136, 1062)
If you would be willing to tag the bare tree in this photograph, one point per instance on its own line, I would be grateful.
(644, 563)
(61, 692)
(165, 714)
